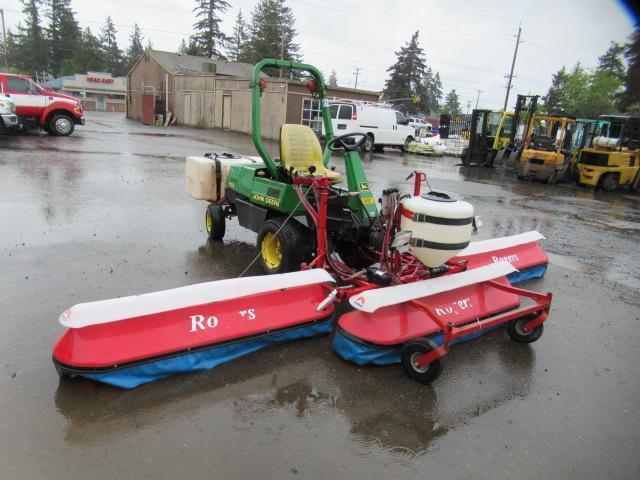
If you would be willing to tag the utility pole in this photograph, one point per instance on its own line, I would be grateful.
(281, 51)
(355, 86)
(469, 106)
(478, 98)
(513, 64)
(4, 42)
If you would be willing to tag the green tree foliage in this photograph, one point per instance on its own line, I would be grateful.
(410, 76)
(612, 61)
(555, 100)
(333, 79)
(590, 93)
(631, 95)
(87, 56)
(272, 32)
(135, 50)
(113, 58)
(238, 43)
(190, 48)
(207, 34)
(451, 103)
(62, 34)
(30, 51)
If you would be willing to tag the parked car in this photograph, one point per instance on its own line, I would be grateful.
(55, 113)
(418, 124)
(8, 117)
(384, 126)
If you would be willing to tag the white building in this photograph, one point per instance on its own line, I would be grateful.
(96, 90)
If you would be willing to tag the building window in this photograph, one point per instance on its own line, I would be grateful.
(311, 115)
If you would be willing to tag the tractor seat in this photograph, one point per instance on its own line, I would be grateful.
(300, 149)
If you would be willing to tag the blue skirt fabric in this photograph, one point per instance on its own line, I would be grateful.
(131, 377)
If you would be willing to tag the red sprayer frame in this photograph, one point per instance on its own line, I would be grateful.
(411, 270)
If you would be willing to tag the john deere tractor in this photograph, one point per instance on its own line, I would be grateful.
(262, 194)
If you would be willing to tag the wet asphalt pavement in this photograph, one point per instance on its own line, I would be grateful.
(104, 213)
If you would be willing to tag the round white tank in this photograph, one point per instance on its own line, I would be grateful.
(440, 226)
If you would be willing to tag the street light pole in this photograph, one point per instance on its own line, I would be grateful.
(478, 98)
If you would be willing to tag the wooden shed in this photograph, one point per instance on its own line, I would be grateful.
(206, 93)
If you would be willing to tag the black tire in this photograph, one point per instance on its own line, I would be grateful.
(294, 242)
(407, 141)
(367, 145)
(414, 349)
(215, 222)
(60, 125)
(553, 178)
(514, 329)
(609, 182)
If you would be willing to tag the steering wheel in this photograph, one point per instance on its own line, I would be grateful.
(338, 142)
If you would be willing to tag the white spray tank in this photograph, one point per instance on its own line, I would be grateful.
(440, 226)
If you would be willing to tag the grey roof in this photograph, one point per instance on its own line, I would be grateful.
(178, 63)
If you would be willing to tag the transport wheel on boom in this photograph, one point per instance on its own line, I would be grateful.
(409, 356)
(517, 333)
(214, 222)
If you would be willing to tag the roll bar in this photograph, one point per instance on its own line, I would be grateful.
(256, 93)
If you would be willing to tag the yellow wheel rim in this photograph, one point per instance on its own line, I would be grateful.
(270, 249)
(208, 221)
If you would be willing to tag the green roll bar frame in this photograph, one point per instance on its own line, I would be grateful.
(256, 94)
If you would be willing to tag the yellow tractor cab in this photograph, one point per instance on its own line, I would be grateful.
(613, 158)
(548, 150)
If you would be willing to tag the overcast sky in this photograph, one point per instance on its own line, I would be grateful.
(469, 42)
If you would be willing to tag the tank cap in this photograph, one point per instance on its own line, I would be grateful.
(437, 197)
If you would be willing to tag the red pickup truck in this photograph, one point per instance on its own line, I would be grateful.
(55, 113)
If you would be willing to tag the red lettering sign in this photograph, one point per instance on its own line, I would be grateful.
(100, 79)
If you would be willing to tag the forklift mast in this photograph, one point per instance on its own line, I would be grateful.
(526, 106)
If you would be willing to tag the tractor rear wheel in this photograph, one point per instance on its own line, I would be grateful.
(409, 356)
(282, 247)
(214, 222)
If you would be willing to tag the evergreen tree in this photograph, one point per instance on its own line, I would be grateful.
(272, 32)
(62, 34)
(189, 48)
(452, 103)
(333, 79)
(631, 95)
(31, 53)
(207, 34)
(410, 76)
(149, 45)
(612, 61)
(239, 40)
(112, 53)
(556, 98)
(88, 55)
(135, 50)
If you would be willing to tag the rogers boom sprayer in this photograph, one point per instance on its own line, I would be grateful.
(416, 282)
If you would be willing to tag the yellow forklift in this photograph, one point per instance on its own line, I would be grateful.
(614, 157)
(548, 151)
(490, 131)
(519, 125)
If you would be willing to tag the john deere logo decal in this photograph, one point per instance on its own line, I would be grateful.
(364, 187)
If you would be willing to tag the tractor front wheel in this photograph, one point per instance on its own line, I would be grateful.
(282, 247)
(214, 222)
(410, 354)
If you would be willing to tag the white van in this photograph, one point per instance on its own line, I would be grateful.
(384, 126)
